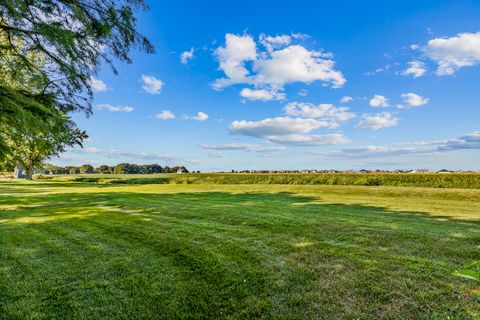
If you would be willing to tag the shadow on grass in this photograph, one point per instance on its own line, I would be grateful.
(271, 203)
(223, 255)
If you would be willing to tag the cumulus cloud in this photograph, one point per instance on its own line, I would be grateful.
(377, 121)
(287, 130)
(346, 99)
(297, 64)
(187, 55)
(262, 94)
(415, 69)
(151, 84)
(113, 108)
(232, 58)
(413, 100)
(323, 111)
(469, 141)
(250, 147)
(165, 115)
(379, 101)
(453, 53)
(201, 116)
(279, 64)
(98, 85)
(276, 126)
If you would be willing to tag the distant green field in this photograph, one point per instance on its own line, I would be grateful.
(427, 180)
(83, 250)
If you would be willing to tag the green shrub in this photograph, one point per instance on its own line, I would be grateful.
(40, 176)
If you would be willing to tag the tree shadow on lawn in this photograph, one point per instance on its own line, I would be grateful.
(218, 254)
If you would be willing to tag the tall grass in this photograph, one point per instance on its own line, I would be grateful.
(429, 180)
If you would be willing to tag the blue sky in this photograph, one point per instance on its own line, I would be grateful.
(294, 85)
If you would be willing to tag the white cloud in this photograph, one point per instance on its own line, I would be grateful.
(415, 69)
(168, 159)
(323, 111)
(276, 126)
(297, 64)
(250, 147)
(346, 99)
(281, 63)
(287, 130)
(379, 70)
(379, 101)
(453, 53)
(201, 116)
(262, 94)
(151, 84)
(98, 85)
(216, 155)
(413, 100)
(379, 151)
(469, 141)
(165, 115)
(377, 121)
(187, 55)
(274, 42)
(302, 92)
(311, 140)
(113, 108)
(232, 58)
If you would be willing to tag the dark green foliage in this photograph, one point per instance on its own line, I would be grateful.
(54, 169)
(104, 169)
(86, 168)
(74, 37)
(49, 51)
(131, 168)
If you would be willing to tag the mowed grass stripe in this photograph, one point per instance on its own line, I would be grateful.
(230, 252)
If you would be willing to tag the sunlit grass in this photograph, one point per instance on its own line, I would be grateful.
(85, 250)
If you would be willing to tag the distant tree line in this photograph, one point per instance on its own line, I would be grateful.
(121, 168)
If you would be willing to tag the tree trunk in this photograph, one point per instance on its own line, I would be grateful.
(29, 172)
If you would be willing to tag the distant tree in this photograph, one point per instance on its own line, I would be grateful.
(179, 169)
(29, 148)
(120, 168)
(86, 168)
(54, 169)
(150, 168)
(104, 169)
(72, 169)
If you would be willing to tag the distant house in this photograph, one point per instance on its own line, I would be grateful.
(444, 171)
(21, 173)
(182, 170)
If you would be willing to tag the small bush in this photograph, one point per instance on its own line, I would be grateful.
(40, 176)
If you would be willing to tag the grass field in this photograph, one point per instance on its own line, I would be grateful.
(78, 250)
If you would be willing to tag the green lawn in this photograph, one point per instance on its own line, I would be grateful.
(71, 250)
